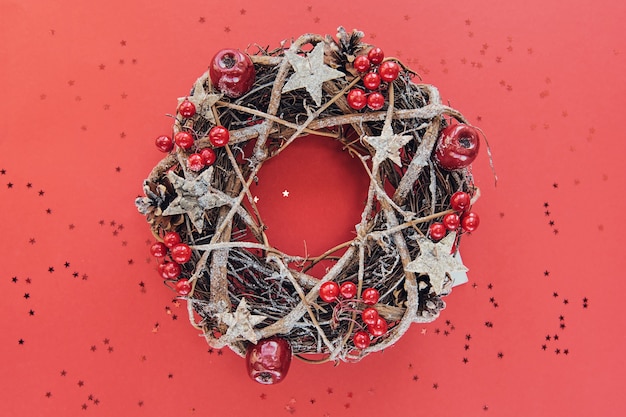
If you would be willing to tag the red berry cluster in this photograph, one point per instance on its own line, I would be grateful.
(375, 71)
(218, 136)
(179, 253)
(462, 218)
(376, 325)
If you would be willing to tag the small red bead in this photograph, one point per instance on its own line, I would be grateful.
(219, 136)
(389, 71)
(369, 315)
(460, 201)
(376, 55)
(171, 239)
(375, 101)
(208, 156)
(181, 253)
(451, 221)
(194, 162)
(164, 143)
(437, 231)
(184, 139)
(379, 328)
(183, 287)
(329, 291)
(370, 296)
(187, 109)
(158, 250)
(361, 63)
(357, 99)
(470, 221)
(361, 339)
(371, 81)
(171, 270)
(348, 289)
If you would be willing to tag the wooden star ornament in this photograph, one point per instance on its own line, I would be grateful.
(387, 145)
(241, 323)
(202, 100)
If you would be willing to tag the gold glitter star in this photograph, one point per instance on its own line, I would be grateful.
(387, 145)
(310, 72)
(202, 100)
(436, 261)
(240, 323)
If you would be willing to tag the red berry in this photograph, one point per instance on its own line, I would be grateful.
(370, 296)
(164, 143)
(194, 162)
(268, 361)
(460, 201)
(219, 136)
(376, 55)
(379, 328)
(470, 221)
(232, 72)
(184, 139)
(437, 231)
(183, 287)
(171, 239)
(369, 315)
(187, 109)
(348, 289)
(457, 147)
(329, 291)
(375, 101)
(361, 339)
(170, 270)
(357, 99)
(158, 250)
(451, 221)
(181, 253)
(361, 63)
(208, 156)
(389, 71)
(371, 81)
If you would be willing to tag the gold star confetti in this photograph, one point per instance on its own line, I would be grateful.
(436, 261)
(387, 145)
(203, 101)
(310, 72)
(240, 323)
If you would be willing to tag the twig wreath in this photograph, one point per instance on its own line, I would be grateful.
(211, 244)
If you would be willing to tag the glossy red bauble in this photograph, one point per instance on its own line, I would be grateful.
(470, 221)
(460, 201)
(183, 287)
(348, 290)
(371, 81)
(376, 55)
(361, 339)
(187, 109)
(194, 162)
(158, 250)
(451, 221)
(164, 143)
(357, 99)
(376, 101)
(268, 361)
(437, 231)
(181, 253)
(370, 296)
(171, 239)
(379, 328)
(361, 63)
(232, 72)
(329, 291)
(457, 146)
(389, 71)
(170, 270)
(208, 156)
(369, 315)
(219, 136)
(184, 139)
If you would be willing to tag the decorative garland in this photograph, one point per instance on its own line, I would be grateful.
(211, 244)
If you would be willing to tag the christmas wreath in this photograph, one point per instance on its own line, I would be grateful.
(211, 244)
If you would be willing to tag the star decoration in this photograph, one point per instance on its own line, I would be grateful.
(387, 145)
(241, 323)
(194, 197)
(202, 100)
(436, 261)
(310, 72)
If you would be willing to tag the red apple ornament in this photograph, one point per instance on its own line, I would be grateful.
(232, 72)
(457, 147)
(268, 361)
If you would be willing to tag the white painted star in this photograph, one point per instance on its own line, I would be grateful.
(310, 72)
(202, 100)
(436, 261)
(285, 193)
(255, 199)
(387, 145)
(240, 323)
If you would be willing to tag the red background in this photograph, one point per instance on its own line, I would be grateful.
(89, 329)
